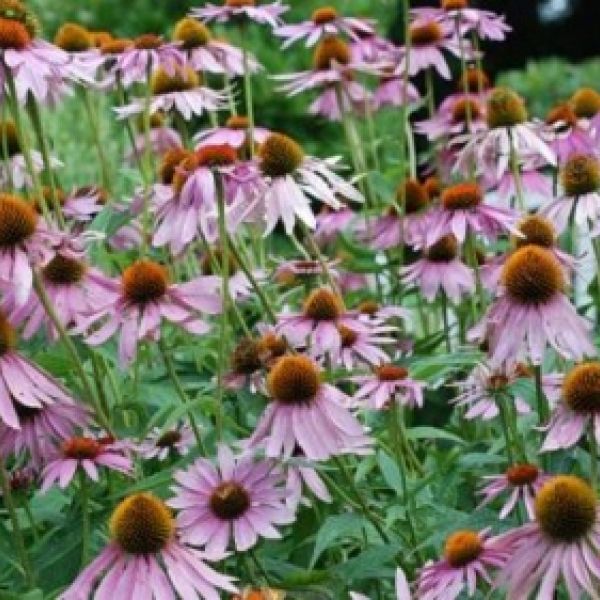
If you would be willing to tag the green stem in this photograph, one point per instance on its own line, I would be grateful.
(85, 518)
(516, 173)
(180, 391)
(445, 320)
(248, 98)
(17, 534)
(542, 407)
(505, 429)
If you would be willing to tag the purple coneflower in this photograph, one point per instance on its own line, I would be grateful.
(562, 543)
(522, 481)
(238, 501)
(394, 91)
(234, 133)
(301, 473)
(138, 302)
(458, 115)
(162, 444)
(468, 556)
(146, 558)
(532, 311)
(325, 21)
(85, 57)
(440, 269)
(307, 414)
(234, 10)
(389, 383)
(84, 453)
(361, 344)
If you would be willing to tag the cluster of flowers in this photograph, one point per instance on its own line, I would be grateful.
(495, 236)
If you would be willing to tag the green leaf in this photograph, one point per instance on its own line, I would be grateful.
(433, 433)
(335, 528)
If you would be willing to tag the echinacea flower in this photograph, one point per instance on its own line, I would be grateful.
(317, 327)
(41, 430)
(37, 68)
(580, 179)
(138, 302)
(162, 444)
(468, 557)
(247, 364)
(234, 133)
(22, 245)
(463, 211)
(562, 543)
(86, 454)
(325, 21)
(331, 223)
(23, 385)
(158, 141)
(233, 503)
(306, 413)
(206, 54)
(301, 473)
(440, 270)
(291, 179)
(508, 134)
(578, 409)
(180, 91)
(71, 285)
(294, 272)
(85, 57)
(521, 481)
(362, 344)
(146, 558)
(393, 90)
(137, 59)
(389, 383)
(533, 312)
(234, 10)
(586, 106)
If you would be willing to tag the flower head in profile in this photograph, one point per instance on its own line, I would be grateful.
(85, 57)
(291, 179)
(86, 454)
(532, 312)
(240, 10)
(137, 303)
(233, 503)
(389, 383)
(522, 482)
(580, 183)
(362, 344)
(234, 133)
(508, 133)
(561, 544)
(180, 90)
(146, 557)
(306, 414)
(325, 21)
(163, 444)
(468, 557)
(440, 269)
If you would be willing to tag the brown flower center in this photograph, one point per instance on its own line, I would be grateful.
(426, 34)
(100, 37)
(169, 439)
(246, 357)
(13, 35)
(18, 221)
(537, 230)
(454, 4)
(179, 81)
(586, 103)
(81, 448)
(329, 50)
(323, 305)
(444, 250)
(218, 155)
(229, 501)
(73, 38)
(348, 336)
(239, 3)
(294, 380)
(474, 80)
(505, 108)
(497, 381)
(532, 275)
(8, 337)
(323, 15)
(414, 195)
(433, 188)
(62, 270)
(581, 388)
(192, 33)
(114, 47)
(581, 175)
(271, 346)
(142, 524)
(464, 109)
(462, 548)
(144, 281)
(390, 372)
(565, 508)
(9, 139)
(462, 196)
(563, 114)
(369, 307)
(148, 41)
(170, 162)
(238, 122)
(519, 475)
(280, 155)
